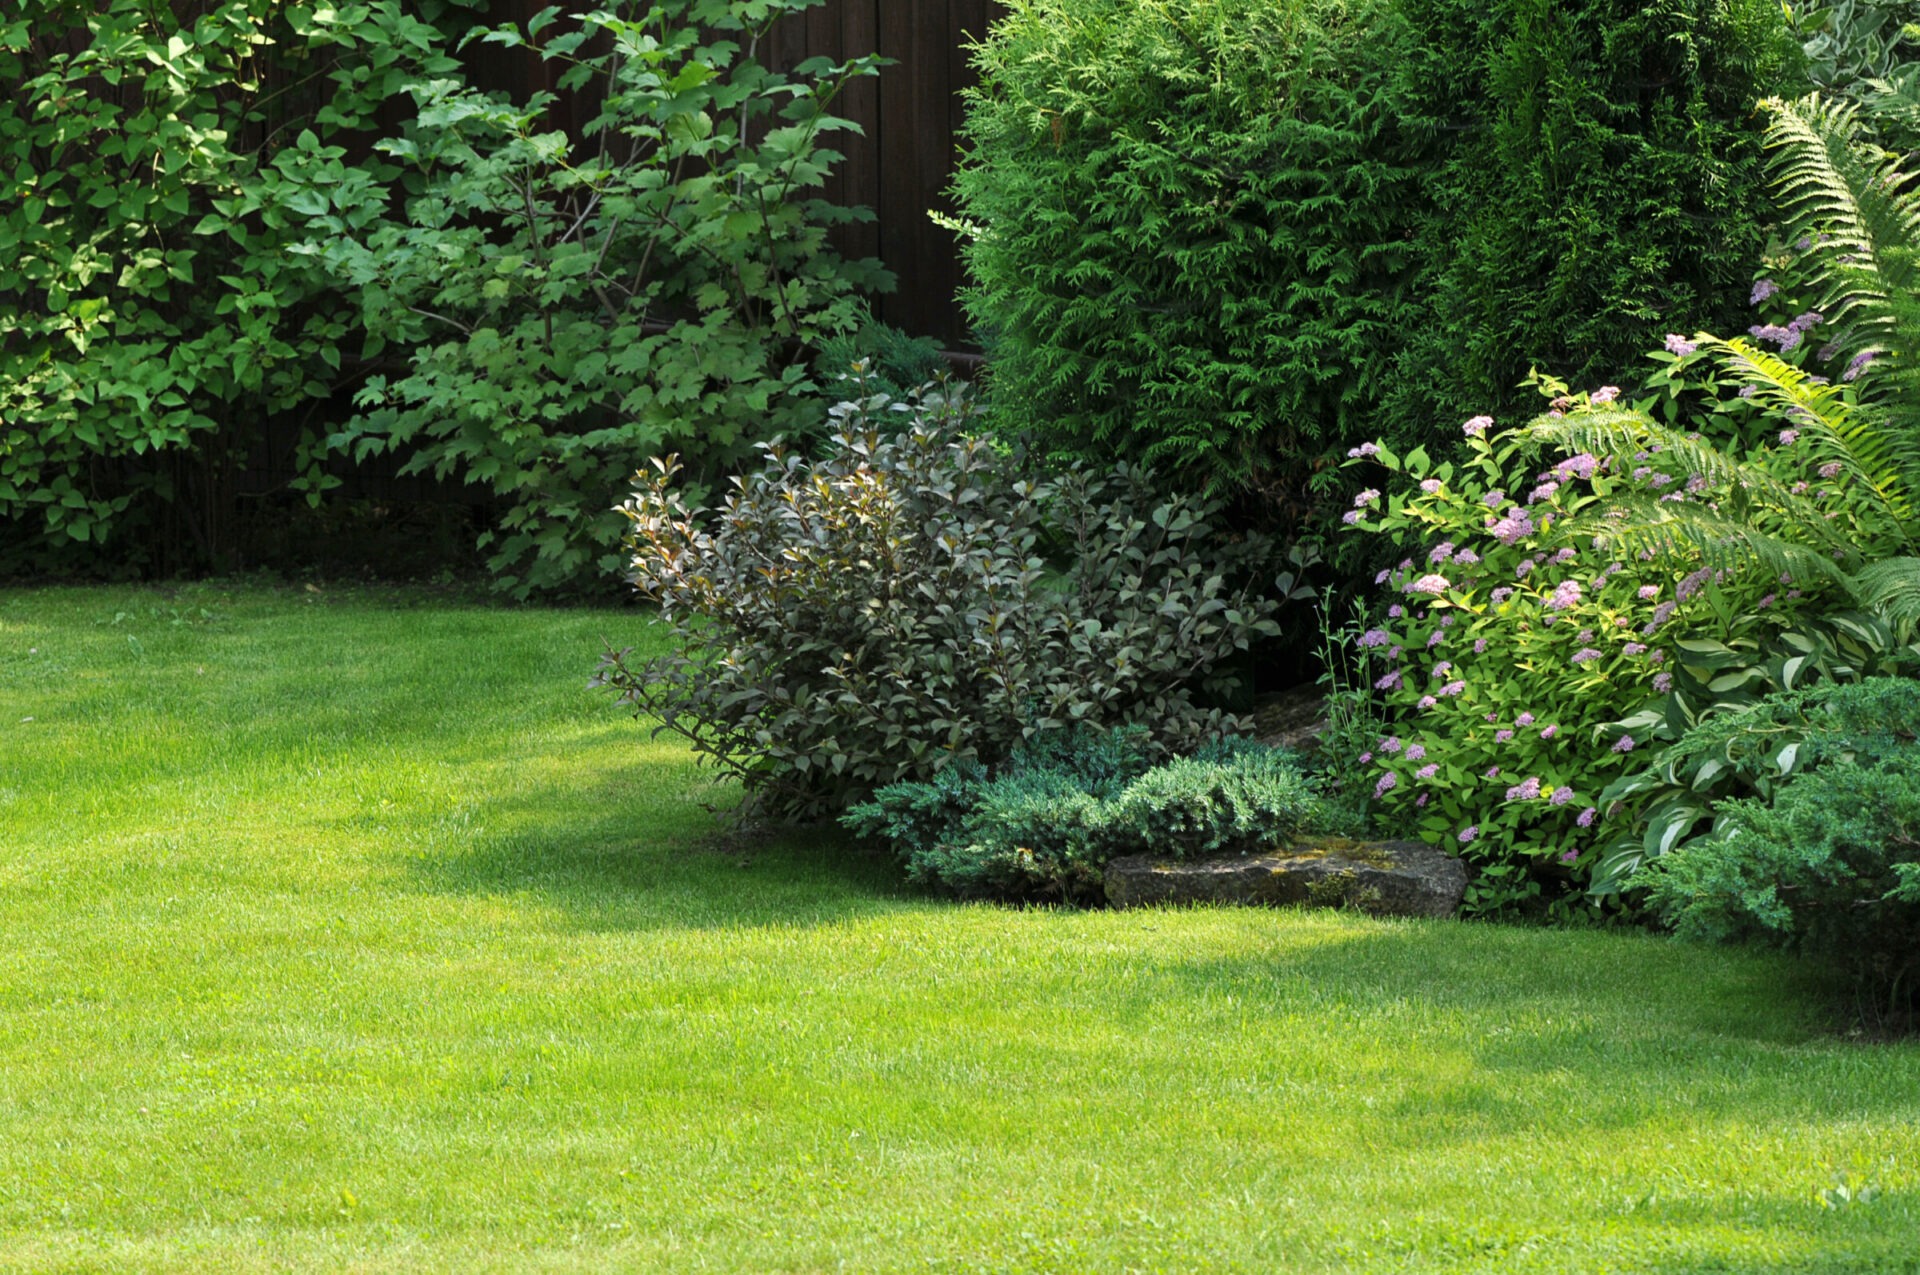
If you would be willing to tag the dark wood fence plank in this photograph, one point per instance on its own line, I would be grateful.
(857, 32)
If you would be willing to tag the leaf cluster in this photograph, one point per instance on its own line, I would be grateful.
(1730, 725)
(161, 163)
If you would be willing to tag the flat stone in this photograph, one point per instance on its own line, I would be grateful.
(1384, 878)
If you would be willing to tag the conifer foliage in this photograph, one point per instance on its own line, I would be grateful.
(1192, 226)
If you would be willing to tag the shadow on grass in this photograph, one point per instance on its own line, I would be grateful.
(617, 866)
(1528, 983)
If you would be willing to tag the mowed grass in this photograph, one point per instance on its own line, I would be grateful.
(350, 931)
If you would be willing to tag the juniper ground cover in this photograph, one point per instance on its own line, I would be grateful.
(349, 930)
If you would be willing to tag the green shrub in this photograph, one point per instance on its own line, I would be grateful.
(1227, 234)
(1192, 222)
(1194, 806)
(1047, 823)
(161, 161)
(913, 601)
(896, 363)
(1831, 864)
(569, 307)
(1600, 186)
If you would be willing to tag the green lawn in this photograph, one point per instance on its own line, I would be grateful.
(350, 931)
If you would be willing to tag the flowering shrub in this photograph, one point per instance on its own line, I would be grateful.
(1517, 640)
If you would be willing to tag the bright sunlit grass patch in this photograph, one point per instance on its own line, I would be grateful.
(353, 931)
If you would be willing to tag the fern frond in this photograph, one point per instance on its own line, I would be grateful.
(1833, 181)
(1726, 540)
(1622, 432)
(1891, 587)
(1836, 428)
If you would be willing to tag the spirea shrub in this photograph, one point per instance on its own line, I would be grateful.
(919, 597)
(1512, 656)
(1044, 825)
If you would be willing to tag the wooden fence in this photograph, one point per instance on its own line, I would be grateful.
(910, 115)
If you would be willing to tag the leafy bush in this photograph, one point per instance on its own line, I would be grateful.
(1830, 496)
(1601, 186)
(914, 601)
(570, 307)
(1047, 823)
(1191, 225)
(162, 161)
(1851, 42)
(1831, 862)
